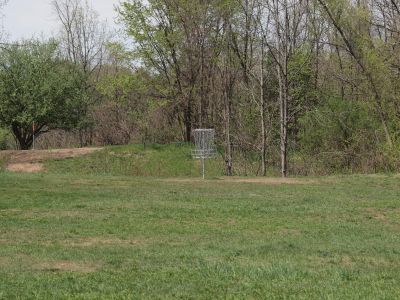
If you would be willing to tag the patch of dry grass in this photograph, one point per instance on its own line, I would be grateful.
(31, 161)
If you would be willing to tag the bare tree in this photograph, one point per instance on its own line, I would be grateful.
(287, 31)
(228, 79)
(83, 39)
(83, 36)
(252, 61)
(3, 3)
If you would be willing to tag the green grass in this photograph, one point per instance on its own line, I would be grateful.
(172, 160)
(91, 237)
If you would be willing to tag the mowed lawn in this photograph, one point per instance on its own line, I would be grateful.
(91, 237)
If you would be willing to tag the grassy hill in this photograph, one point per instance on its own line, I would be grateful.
(172, 160)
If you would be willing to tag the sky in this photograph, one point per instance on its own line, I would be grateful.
(24, 19)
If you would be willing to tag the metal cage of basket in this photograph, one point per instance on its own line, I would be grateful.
(204, 140)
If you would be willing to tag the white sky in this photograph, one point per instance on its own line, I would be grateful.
(24, 19)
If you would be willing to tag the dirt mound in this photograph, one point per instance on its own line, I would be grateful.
(32, 160)
(25, 167)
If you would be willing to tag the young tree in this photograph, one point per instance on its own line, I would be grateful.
(83, 39)
(38, 91)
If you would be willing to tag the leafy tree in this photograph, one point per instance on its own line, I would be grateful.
(39, 91)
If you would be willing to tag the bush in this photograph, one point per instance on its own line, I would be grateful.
(340, 135)
(5, 139)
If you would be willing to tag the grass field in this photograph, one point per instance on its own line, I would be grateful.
(90, 237)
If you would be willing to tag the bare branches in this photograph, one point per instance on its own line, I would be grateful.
(83, 36)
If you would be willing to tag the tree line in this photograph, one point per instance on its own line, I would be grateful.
(299, 86)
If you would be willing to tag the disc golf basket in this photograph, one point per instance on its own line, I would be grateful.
(204, 146)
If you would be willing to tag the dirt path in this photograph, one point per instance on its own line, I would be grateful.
(32, 160)
(261, 180)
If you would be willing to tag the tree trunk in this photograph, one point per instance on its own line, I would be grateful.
(23, 137)
(227, 94)
(228, 158)
(24, 145)
(283, 122)
(262, 114)
(188, 120)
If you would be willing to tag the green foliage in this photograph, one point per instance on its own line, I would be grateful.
(104, 237)
(300, 75)
(337, 132)
(5, 137)
(3, 161)
(152, 27)
(117, 81)
(37, 86)
(116, 86)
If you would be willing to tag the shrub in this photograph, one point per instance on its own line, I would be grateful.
(5, 139)
(340, 135)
